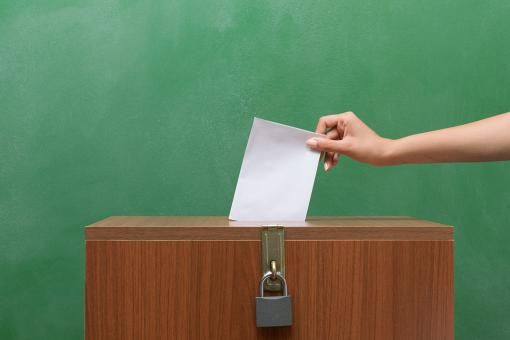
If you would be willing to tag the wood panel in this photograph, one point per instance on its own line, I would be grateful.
(206, 290)
(222, 221)
(220, 228)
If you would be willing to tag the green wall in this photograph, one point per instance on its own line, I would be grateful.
(144, 107)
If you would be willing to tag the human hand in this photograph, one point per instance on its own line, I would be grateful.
(346, 134)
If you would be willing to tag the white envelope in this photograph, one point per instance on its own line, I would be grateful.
(277, 174)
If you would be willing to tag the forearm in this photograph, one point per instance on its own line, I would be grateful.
(484, 140)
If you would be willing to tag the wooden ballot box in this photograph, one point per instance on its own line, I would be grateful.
(198, 278)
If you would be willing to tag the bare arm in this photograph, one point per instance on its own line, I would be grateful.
(480, 141)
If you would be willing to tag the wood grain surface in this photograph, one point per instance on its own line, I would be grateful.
(220, 228)
(341, 289)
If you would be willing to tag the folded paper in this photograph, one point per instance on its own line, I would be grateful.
(277, 174)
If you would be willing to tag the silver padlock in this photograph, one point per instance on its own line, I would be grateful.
(273, 311)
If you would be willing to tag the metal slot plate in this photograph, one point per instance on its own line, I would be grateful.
(273, 244)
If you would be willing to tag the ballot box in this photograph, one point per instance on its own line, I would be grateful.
(170, 277)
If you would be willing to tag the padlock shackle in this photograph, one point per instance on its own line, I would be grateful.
(278, 277)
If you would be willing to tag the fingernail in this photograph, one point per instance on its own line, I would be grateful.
(312, 143)
(326, 166)
(335, 157)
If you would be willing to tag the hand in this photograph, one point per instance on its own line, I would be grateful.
(347, 135)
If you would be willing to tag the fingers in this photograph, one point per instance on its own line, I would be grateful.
(333, 121)
(333, 127)
(333, 134)
(335, 159)
(327, 161)
(327, 145)
(332, 158)
(326, 122)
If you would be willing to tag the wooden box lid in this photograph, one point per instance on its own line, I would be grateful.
(220, 228)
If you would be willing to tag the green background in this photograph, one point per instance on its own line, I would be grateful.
(144, 108)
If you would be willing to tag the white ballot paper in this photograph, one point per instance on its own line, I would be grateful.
(277, 174)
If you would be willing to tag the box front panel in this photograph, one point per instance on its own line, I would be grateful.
(206, 290)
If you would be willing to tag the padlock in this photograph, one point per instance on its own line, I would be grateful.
(273, 311)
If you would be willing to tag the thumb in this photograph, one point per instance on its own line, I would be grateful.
(324, 144)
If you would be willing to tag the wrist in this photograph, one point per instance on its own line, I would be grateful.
(389, 153)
